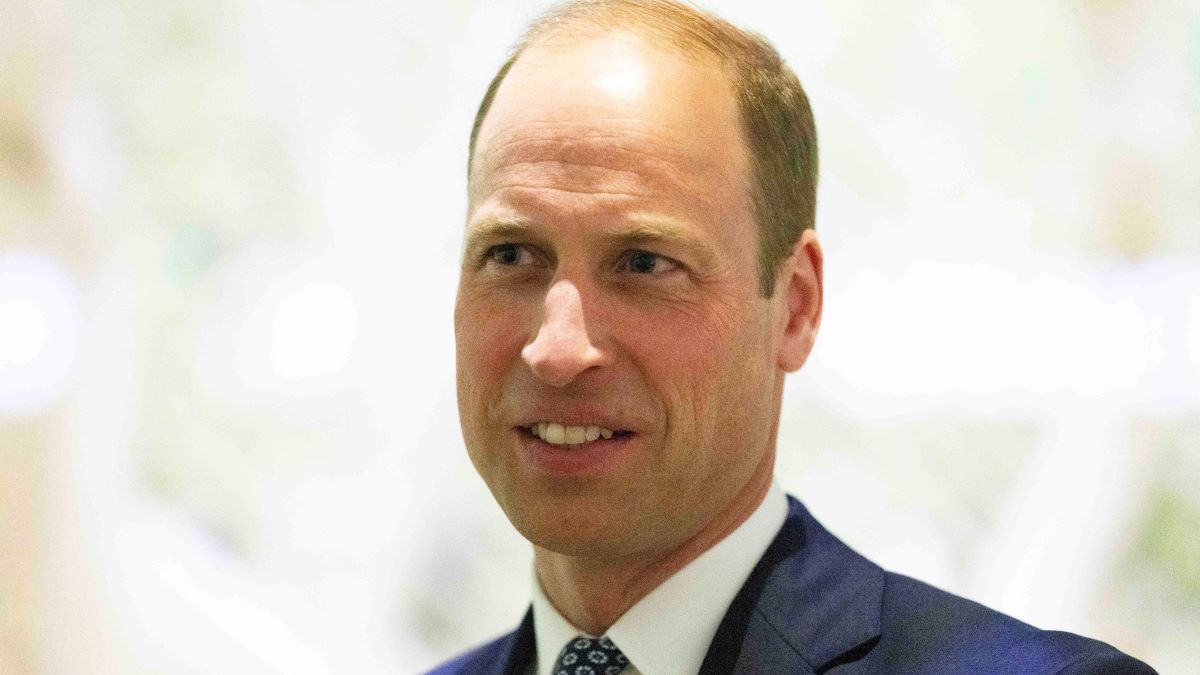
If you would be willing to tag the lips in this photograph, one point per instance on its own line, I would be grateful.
(565, 458)
(558, 433)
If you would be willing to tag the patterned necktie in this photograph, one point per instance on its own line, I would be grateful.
(590, 656)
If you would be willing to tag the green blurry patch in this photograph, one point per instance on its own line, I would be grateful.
(1170, 540)
(1035, 85)
(191, 251)
(1168, 543)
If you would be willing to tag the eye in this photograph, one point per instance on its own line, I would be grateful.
(509, 255)
(645, 262)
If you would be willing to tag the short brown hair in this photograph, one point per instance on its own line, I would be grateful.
(777, 122)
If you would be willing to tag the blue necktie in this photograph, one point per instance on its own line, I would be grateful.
(590, 656)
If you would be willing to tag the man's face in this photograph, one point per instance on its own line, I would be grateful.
(609, 280)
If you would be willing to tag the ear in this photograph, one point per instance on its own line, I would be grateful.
(800, 282)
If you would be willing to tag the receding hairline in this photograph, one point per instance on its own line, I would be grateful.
(572, 24)
(776, 120)
(497, 134)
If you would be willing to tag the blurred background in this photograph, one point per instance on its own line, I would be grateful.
(229, 233)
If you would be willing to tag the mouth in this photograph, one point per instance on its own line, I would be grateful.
(575, 450)
(571, 436)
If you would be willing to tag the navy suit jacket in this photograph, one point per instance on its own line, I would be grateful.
(812, 605)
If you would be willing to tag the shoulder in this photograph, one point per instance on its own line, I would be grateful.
(483, 659)
(925, 629)
(844, 614)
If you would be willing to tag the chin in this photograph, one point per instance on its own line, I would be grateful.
(574, 531)
(589, 548)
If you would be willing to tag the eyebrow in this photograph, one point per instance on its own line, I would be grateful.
(650, 231)
(670, 235)
(479, 236)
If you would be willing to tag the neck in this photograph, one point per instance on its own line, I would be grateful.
(592, 594)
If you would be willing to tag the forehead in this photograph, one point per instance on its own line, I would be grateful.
(613, 115)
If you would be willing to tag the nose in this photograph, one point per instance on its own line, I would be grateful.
(562, 348)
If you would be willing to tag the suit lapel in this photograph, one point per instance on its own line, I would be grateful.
(520, 652)
(811, 603)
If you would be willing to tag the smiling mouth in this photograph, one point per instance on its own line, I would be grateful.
(571, 436)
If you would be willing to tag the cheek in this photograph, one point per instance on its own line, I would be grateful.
(688, 366)
(488, 340)
(485, 324)
(720, 384)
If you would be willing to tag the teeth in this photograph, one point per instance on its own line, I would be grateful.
(561, 434)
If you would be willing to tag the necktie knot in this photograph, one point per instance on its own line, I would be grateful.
(590, 656)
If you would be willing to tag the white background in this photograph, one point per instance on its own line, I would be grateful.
(228, 249)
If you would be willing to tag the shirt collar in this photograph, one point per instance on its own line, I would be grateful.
(668, 631)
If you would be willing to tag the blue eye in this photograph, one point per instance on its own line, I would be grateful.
(645, 262)
(507, 255)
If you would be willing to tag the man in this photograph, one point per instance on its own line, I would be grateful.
(640, 272)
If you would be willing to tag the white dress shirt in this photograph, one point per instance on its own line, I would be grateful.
(668, 631)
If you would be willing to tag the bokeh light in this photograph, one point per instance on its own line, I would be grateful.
(40, 325)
